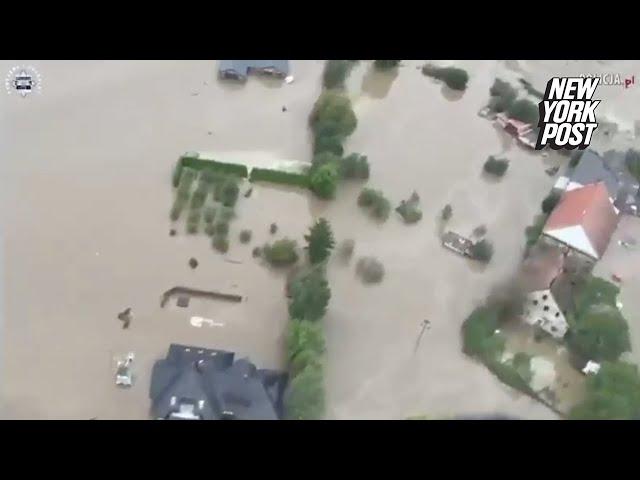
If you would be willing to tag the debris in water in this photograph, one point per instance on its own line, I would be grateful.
(172, 232)
(273, 228)
(228, 260)
(193, 263)
(125, 317)
(209, 132)
(479, 231)
(195, 94)
(284, 109)
(552, 171)
(248, 193)
(124, 376)
(289, 79)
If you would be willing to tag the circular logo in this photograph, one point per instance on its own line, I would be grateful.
(23, 80)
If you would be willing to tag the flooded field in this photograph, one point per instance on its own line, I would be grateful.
(85, 170)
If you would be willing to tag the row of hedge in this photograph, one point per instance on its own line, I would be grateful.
(210, 165)
(277, 176)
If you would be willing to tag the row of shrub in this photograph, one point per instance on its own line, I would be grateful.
(336, 72)
(309, 294)
(455, 78)
(277, 176)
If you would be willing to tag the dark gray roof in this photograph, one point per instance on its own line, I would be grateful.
(609, 168)
(210, 384)
(241, 67)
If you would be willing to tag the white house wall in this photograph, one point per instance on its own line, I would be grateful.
(541, 309)
(575, 237)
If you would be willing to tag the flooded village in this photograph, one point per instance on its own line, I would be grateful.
(86, 170)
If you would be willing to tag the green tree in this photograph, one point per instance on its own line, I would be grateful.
(229, 192)
(333, 114)
(329, 143)
(324, 158)
(496, 166)
(310, 294)
(281, 253)
(482, 250)
(525, 111)
(305, 397)
(447, 212)
(320, 241)
(592, 291)
(600, 333)
(336, 72)
(324, 180)
(479, 335)
(550, 202)
(305, 344)
(355, 166)
(612, 394)
(455, 78)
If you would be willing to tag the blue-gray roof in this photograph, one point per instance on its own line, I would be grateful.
(608, 168)
(242, 67)
(214, 386)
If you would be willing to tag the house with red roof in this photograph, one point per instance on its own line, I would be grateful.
(583, 220)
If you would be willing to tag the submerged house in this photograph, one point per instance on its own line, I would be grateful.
(240, 69)
(584, 220)
(541, 276)
(194, 383)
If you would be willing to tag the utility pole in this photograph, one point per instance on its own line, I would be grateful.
(425, 325)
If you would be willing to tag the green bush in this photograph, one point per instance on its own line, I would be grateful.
(482, 251)
(534, 231)
(386, 64)
(221, 243)
(193, 221)
(479, 337)
(593, 290)
(210, 229)
(550, 202)
(275, 176)
(503, 89)
(221, 228)
(333, 115)
(324, 181)
(324, 158)
(310, 294)
(454, 78)
(447, 212)
(525, 111)
(409, 210)
(496, 166)
(209, 215)
(281, 253)
(612, 394)
(215, 166)
(305, 397)
(330, 143)
(198, 198)
(376, 201)
(177, 208)
(245, 236)
(510, 375)
(336, 72)
(355, 166)
(187, 178)
(225, 214)
(600, 333)
(229, 192)
(320, 241)
(370, 270)
(305, 344)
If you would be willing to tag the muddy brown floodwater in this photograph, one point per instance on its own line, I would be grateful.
(85, 197)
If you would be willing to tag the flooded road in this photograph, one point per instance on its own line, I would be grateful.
(85, 169)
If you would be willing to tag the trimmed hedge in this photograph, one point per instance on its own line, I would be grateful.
(277, 176)
(213, 165)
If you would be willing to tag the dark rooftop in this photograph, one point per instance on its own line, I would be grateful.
(205, 384)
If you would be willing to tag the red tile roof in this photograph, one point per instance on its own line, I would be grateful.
(590, 208)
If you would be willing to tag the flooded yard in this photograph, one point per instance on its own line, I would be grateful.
(85, 169)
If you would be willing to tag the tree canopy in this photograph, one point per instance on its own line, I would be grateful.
(310, 294)
(304, 398)
(333, 115)
(600, 333)
(612, 394)
(320, 241)
(305, 344)
(336, 72)
(324, 180)
(525, 111)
